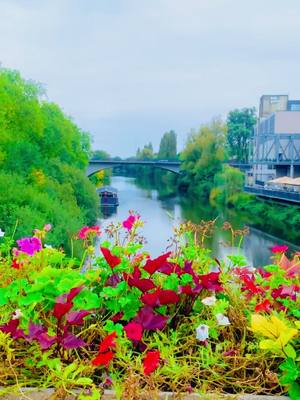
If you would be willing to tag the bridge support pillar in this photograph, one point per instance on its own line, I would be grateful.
(292, 173)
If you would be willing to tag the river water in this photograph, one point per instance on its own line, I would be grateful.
(162, 215)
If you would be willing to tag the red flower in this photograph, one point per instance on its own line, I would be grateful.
(111, 260)
(134, 331)
(151, 362)
(103, 359)
(279, 249)
(15, 264)
(263, 306)
(108, 342)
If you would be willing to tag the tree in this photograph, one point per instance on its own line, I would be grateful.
(202, 158)
(240, 125)
(168, 146)
(146, 153)
(43, 158)
(100, 155)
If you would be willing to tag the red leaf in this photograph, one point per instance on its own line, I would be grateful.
(168, 268)
(12, 328)
(76, 317)
(151, 299)
(70, 341)
(111, 260)
(60, 309)
(151, 362)
(103, 359)
(211, 281)
(134, 331)
(153, 265)
(168, 297)
(144, 285)
(263, 306)
(149, 320)
(108, 342)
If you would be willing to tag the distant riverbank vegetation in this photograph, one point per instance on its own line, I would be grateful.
(43, 157)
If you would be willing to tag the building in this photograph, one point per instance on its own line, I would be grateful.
(275, 150)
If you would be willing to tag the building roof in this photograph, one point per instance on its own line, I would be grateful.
(286, 180)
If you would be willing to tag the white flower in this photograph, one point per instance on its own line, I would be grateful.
(209, 301)
(48, 246)
(17, 314)
(202, 332)
(222, 320)
(1, 233)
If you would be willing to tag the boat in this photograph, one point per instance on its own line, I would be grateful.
(108, 196)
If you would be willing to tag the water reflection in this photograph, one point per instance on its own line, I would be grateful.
(162, 215)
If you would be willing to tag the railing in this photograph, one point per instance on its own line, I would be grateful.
(293, 197)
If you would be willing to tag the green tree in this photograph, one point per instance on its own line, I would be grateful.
(168, 146)
(240, 125)
(100, 155)
(202, 158)
(146, 153)
(43, 158)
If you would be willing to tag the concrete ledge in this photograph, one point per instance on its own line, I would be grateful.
(49, 394)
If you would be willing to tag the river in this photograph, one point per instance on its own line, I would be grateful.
(162, 215)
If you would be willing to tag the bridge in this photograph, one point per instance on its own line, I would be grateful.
(97, 165)
(173, 166)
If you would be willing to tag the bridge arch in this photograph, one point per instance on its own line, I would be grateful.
(98, 165)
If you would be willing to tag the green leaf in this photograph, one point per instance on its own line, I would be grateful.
(290, 351)
(294, 391)
(84, 381)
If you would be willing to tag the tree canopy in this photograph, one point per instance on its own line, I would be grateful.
(43, 157)
(240, 125)
(202, 157)
(168, 146)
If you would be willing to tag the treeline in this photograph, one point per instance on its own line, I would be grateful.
(43, 157)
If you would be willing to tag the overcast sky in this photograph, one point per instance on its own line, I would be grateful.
(129, 70)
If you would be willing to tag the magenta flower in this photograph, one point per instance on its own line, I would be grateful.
(279, 249)
(30, 245)
(129, 222)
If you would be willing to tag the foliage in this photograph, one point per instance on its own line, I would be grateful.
(202, 158)
(240, 125)
(168, 146)
(181, 322)
(227, 183)
(43, 157)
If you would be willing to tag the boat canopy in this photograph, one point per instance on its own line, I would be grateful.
(108, 189)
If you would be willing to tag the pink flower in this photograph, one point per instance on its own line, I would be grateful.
(47, 227)
(30, 245)
(87, 231)
(130, 221)
(279, 249)
(134, 331)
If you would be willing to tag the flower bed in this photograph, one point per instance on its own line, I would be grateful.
(182, 322)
